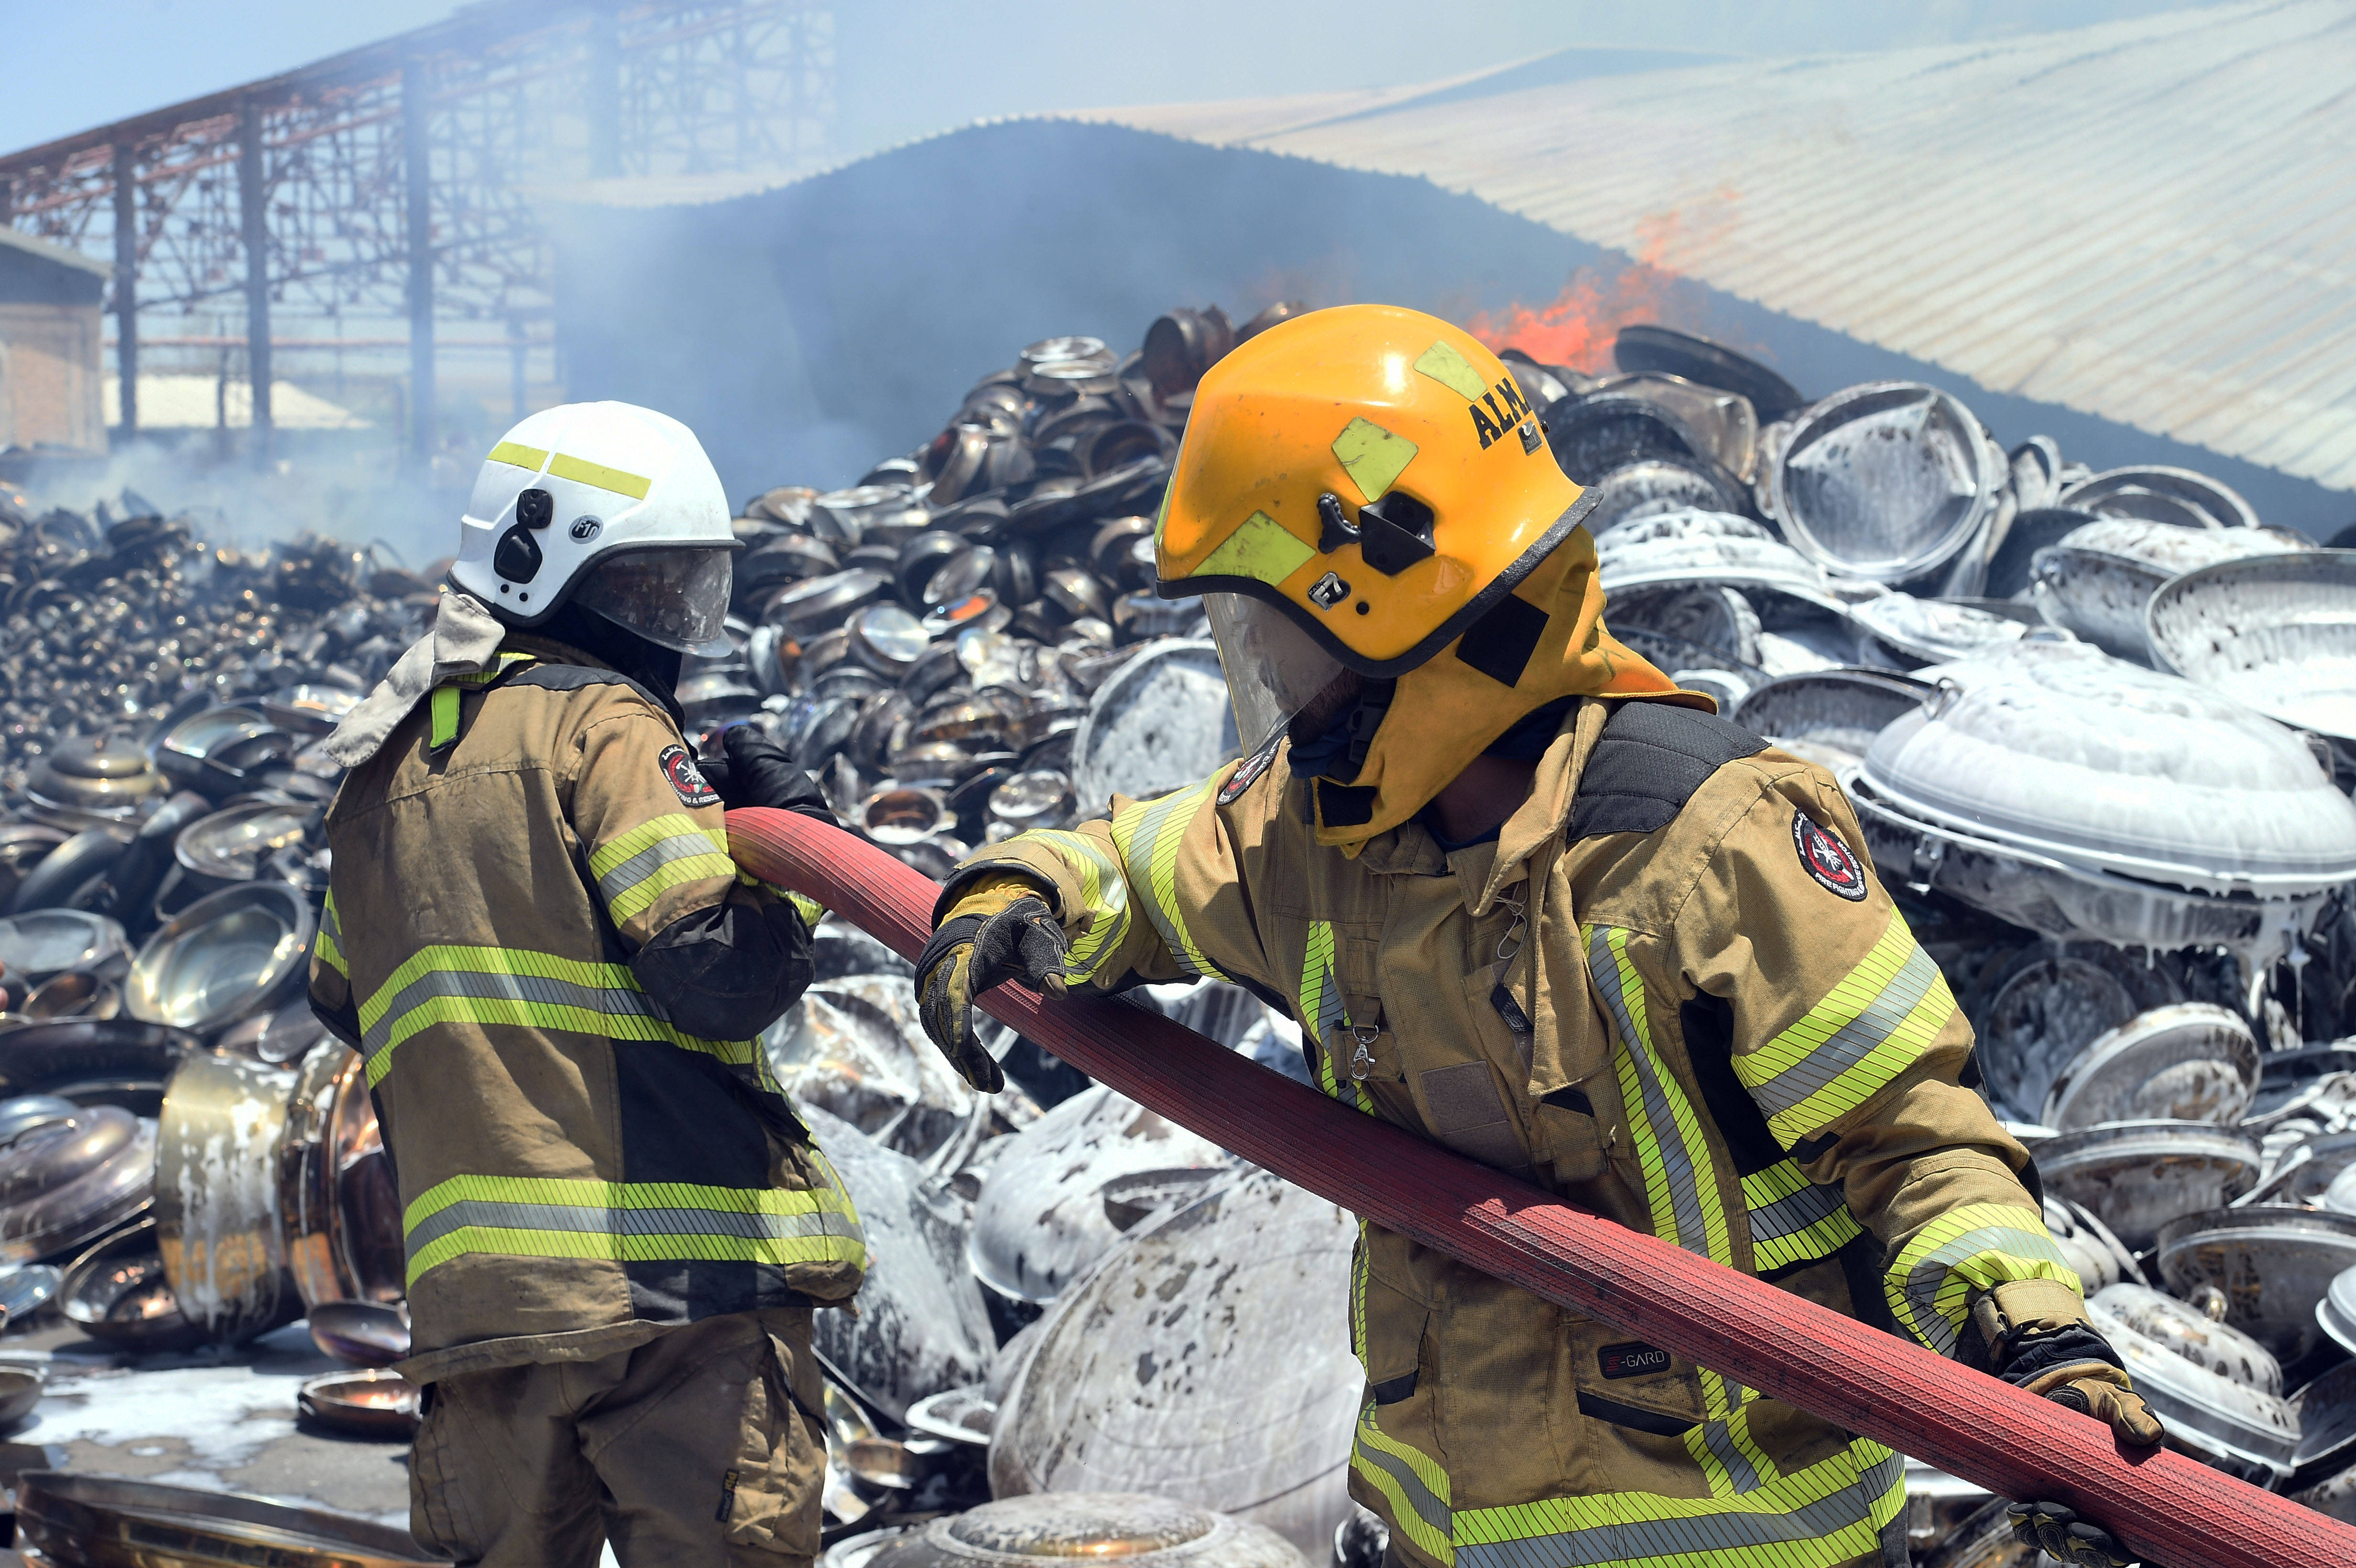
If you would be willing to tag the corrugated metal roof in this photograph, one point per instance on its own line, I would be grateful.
(2153, 221)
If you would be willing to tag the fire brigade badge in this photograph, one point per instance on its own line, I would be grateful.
(1826, 859)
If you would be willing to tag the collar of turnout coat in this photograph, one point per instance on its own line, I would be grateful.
(465, 641)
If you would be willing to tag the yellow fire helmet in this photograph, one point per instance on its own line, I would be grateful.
(1372, 470)
(1364, 489)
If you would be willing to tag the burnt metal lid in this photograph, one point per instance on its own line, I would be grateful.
(821, 603)
(1689, 549)
(2277, 633)
(1162, 722)
(1126, 1527)
(2226, 1424)
(1842, 708)
(1887, 480)
(2273, 1263)
(2192, 1062)
(108, 775)
(1916, 632)
(1650, 346)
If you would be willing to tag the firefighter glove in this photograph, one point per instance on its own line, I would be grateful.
(1000, 931)
(2056, 1530)
(2035, 1337)
(761, 772)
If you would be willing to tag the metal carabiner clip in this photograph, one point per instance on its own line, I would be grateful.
(1362, 1060)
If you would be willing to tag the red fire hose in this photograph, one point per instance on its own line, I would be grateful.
(2167, 1507)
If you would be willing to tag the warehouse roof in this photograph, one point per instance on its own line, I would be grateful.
(2146, 221)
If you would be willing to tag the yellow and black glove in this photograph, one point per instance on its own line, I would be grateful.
(2036, 1338)
(1001, 930)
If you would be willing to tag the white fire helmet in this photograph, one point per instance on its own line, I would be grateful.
(610, 505)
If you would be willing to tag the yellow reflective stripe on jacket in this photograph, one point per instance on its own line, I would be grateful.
(442, 704)
(1148, 836)
(809, 908)
(1979, 1245)
(1793, 1220)
(1103, 896)
(1680, 1182)
(450, 983)
(1416, 1486)
(635, 868)
(1828, 1513)
(330, 947)
(1871, 1027)
(1682, 1192)
(1322, 1016)
(628, 1223)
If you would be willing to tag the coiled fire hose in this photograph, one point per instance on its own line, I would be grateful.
(2168, 1507)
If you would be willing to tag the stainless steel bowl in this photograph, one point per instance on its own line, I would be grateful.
(373, 1402)
(2194, 1062)
(1888, 480)
(227, 954)
(1133, 1528)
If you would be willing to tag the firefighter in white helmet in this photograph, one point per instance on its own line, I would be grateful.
(616, 1226)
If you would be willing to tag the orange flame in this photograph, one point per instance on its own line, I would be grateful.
(1578, 328)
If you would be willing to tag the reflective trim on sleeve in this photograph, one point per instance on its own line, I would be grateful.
(809, 908)
(1871, 1027)
(635, 868)
(1148, 836)
(628, 1223)
(1830, 1513)
(1104, 899)
(1979, 1245)
(1793, 1220)
(330, 947)
(446, 984)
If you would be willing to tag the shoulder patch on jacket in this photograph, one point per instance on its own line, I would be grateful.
(1251, 769)
(1826, 859)
(687, 780)
(1649, 760)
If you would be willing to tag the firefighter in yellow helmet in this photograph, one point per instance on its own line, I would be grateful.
(1528, 900)
(616, 1226)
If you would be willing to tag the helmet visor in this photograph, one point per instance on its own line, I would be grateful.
(675, 598)
(1273, 667)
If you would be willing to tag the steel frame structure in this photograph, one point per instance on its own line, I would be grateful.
(395, 181)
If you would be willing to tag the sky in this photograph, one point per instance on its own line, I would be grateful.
(907, 68)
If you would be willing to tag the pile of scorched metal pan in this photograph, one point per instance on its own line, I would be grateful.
(2099, 729)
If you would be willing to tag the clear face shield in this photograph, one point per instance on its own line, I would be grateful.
(1273, 669)
(676, 598)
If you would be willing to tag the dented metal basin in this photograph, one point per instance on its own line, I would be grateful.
(1162, 722)
(2194, 1062)
(2277, 634)
(1839, 709)
(1041, 1220)
(1208, 1357)
(2138, 1176)
(2273, 1263)
(219, 1223)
